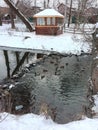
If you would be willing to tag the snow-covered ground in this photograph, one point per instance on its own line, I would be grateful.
(97, 29)
(39, 122)
(95, 107)
(65, 43)
(97, 25)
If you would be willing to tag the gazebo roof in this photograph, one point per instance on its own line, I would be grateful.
(49, 13)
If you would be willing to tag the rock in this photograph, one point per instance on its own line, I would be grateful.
(18, 107)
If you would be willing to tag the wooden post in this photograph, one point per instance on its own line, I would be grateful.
(45, 21)
(56, 21)
(20, 63)
(36, 21)
(27, 59)
(7, 62)
(17, 57)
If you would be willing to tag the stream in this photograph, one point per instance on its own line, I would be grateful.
(58, 81)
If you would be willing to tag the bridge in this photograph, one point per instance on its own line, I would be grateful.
(30, 43)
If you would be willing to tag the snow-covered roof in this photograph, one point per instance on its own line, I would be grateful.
(48, 13)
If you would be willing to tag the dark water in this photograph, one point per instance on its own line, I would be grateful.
(2, 66)
(60, 82)
(3, 69)
(12, 63)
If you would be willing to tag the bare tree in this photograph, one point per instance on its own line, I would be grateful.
(12, 16)
(25, 6)
(44, 4)
(81, 15)
(48, 3)
(0, 19)
(70, 13)
(20, 15)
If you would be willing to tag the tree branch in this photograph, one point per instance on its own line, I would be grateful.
(20, 15)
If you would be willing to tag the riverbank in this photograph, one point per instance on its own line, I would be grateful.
(36, 122)
(94, 74)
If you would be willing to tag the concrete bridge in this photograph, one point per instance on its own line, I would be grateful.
(25, 51)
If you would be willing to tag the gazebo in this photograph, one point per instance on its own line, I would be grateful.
(49, 22)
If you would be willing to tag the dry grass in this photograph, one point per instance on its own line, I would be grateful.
(5, 101)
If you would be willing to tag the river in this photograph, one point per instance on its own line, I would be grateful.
(60, 82)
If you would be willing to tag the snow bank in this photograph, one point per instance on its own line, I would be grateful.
(38, 122)
(95, 107)
(97, 25)
(65, 43)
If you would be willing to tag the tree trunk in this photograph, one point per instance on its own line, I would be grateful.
(0, 21)
(65, 14)
(20, 63)
(12, 19)
(7, 62)
(70, 13)
(20, 15)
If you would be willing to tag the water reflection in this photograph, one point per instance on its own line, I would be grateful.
(3, 68)
(7, 67)
(3, 72)
(60, 82)
(66, 91)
